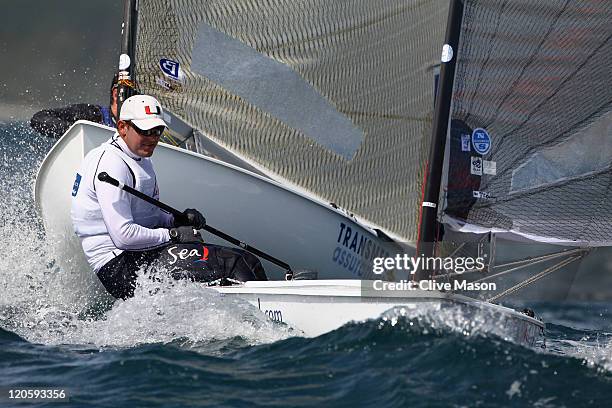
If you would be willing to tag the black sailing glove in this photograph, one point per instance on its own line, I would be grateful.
(184, 235)
(191, 217)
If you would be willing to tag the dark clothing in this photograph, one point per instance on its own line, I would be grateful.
(55, 122)
(197, 262)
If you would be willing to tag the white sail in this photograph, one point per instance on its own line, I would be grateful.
(334, 97)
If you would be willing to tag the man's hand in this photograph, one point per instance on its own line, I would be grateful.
(185, 234)
(193, 218)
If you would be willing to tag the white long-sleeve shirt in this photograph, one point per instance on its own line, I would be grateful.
(107, 219)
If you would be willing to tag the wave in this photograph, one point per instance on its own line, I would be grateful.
(409, 361)
(414, 362)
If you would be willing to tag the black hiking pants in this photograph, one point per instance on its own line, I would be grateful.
(194, 261)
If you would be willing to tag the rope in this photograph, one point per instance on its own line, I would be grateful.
(535, 278)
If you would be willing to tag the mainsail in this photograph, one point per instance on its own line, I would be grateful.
(335, 97)
(529, 147)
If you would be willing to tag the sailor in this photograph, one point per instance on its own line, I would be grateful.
(120, 233)
(55, 122)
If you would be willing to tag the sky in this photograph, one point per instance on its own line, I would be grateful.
(56, 52)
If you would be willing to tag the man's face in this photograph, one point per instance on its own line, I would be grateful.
(137, 140)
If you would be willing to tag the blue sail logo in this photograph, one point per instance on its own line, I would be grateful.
(170, 68)
(481, 141)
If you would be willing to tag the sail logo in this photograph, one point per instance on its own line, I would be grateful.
(465, 143)
(481, 141)
(482, 195)
(476, 167)
(170, 68)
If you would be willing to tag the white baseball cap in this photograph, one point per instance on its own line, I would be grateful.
(144, 111)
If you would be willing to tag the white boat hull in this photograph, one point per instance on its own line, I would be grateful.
(318, 307)
(297, 229)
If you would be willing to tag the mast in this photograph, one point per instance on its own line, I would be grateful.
(126, 59)
(428, 223)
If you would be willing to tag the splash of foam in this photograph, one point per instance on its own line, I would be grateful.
(165, 310)
(467, 320)
(40, 303)
(27, 268)
(161, 311)
(594, 351)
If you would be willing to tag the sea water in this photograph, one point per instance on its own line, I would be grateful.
(182, 345)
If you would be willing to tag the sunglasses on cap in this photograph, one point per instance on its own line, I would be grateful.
(156, 131)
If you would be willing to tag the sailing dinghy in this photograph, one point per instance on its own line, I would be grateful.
(312, 306)
(336, 99)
